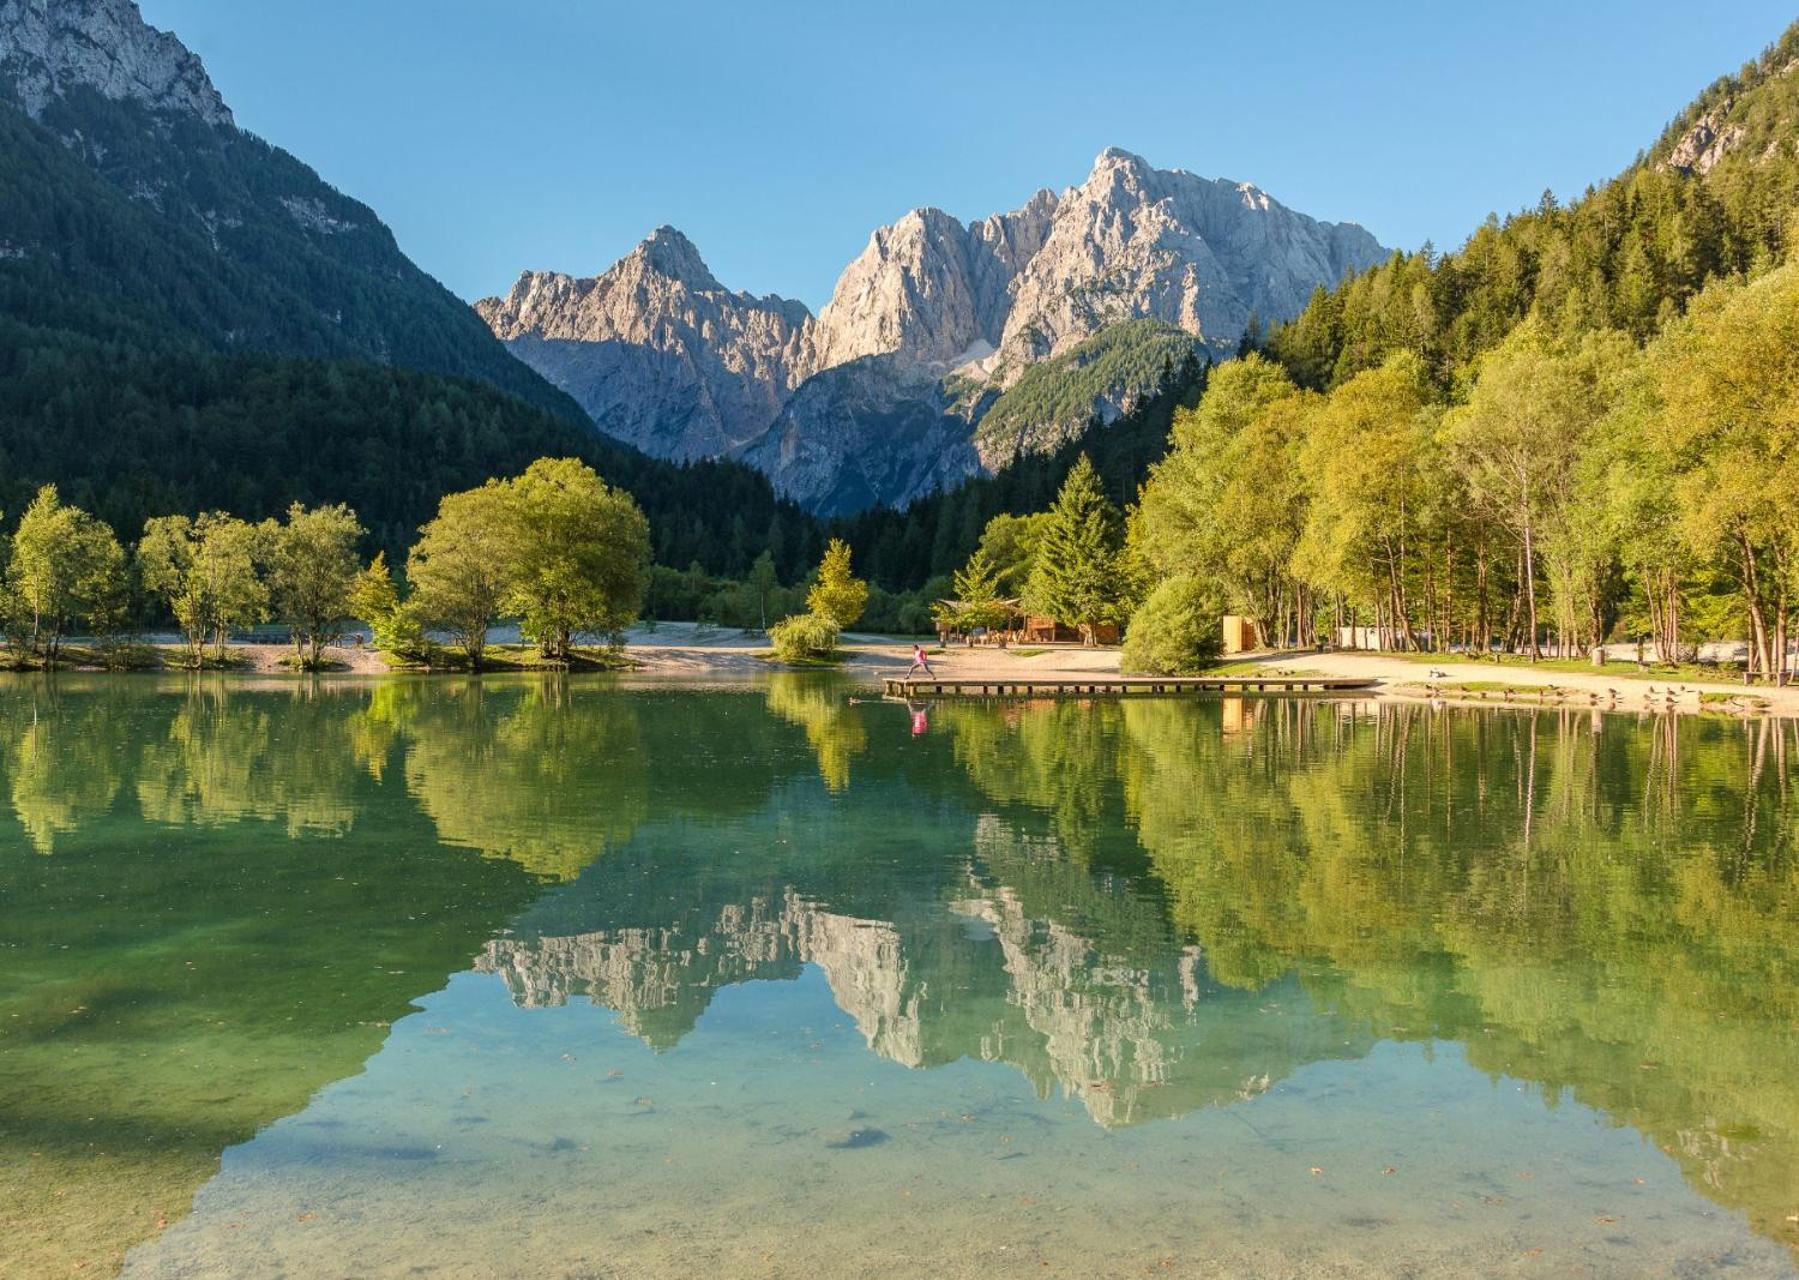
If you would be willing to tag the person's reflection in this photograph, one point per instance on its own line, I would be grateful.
(920, 722)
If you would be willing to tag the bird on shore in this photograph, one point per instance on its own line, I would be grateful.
(1438, 674)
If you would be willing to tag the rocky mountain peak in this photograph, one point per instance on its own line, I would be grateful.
(669, 252)
(917, 292)
(656, 350)
(851, 407)
(48, 47)
(1119, 158)
(1137, 242)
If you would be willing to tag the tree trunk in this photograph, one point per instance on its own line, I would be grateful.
(1758, 623)
(1530, 583)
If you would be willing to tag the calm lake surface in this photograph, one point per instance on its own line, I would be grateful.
(570, 978)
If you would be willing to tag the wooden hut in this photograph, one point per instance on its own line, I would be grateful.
(1239, 634)
(1041, 630)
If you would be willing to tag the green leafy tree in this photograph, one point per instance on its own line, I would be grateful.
(1370, 458)
(461, 568)
(1075, 578)
(1010, 545)
(1229, 502)
(579, 555)
(393, 623)
(1178, 629)
(1728, 383)
(805, 637)
(764, 581)
(205, 570)
(312, 570)
(1517, 442)
(838, 594)
(66, 569)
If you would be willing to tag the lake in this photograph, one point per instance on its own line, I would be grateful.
(575, 977)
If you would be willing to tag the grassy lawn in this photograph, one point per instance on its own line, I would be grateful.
(1615, 670)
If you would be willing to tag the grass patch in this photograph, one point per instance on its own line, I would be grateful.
(1733, 701)
(305, 666)
(1026, 653)
(525, 657)
(1255, 668)
(815, 660)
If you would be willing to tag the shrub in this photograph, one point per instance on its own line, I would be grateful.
(1178, 629)
(805, 637)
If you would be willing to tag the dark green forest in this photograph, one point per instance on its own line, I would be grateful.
(194, 346)
(175, 337)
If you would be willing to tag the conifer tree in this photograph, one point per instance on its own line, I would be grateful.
(1075, 578)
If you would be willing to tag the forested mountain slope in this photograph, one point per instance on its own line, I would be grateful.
(210, 232)
(1715, 196)
(191, 319)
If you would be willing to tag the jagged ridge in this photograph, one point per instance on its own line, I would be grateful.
(660, 353)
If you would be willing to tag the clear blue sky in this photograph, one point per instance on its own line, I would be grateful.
(496, 135)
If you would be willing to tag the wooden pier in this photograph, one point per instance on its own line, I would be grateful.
(1116, 686)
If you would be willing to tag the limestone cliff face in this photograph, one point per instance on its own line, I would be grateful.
(656, 350)
(847, 409)
(1203, 255)
(929, 290)
(48, 47)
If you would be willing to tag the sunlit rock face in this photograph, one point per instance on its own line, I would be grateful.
(1204, 255)
(48, 47)
(656, 350)
(878, 397)
(1707, 142)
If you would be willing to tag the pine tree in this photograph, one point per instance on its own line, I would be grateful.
(1075, 577)
(977, 599)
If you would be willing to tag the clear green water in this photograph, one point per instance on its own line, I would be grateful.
(569, 978)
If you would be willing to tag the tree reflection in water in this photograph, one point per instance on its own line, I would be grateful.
(1109, 897)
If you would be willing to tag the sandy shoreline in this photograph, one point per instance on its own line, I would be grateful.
(688, 651)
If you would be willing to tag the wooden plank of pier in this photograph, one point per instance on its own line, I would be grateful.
(1116, 686)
